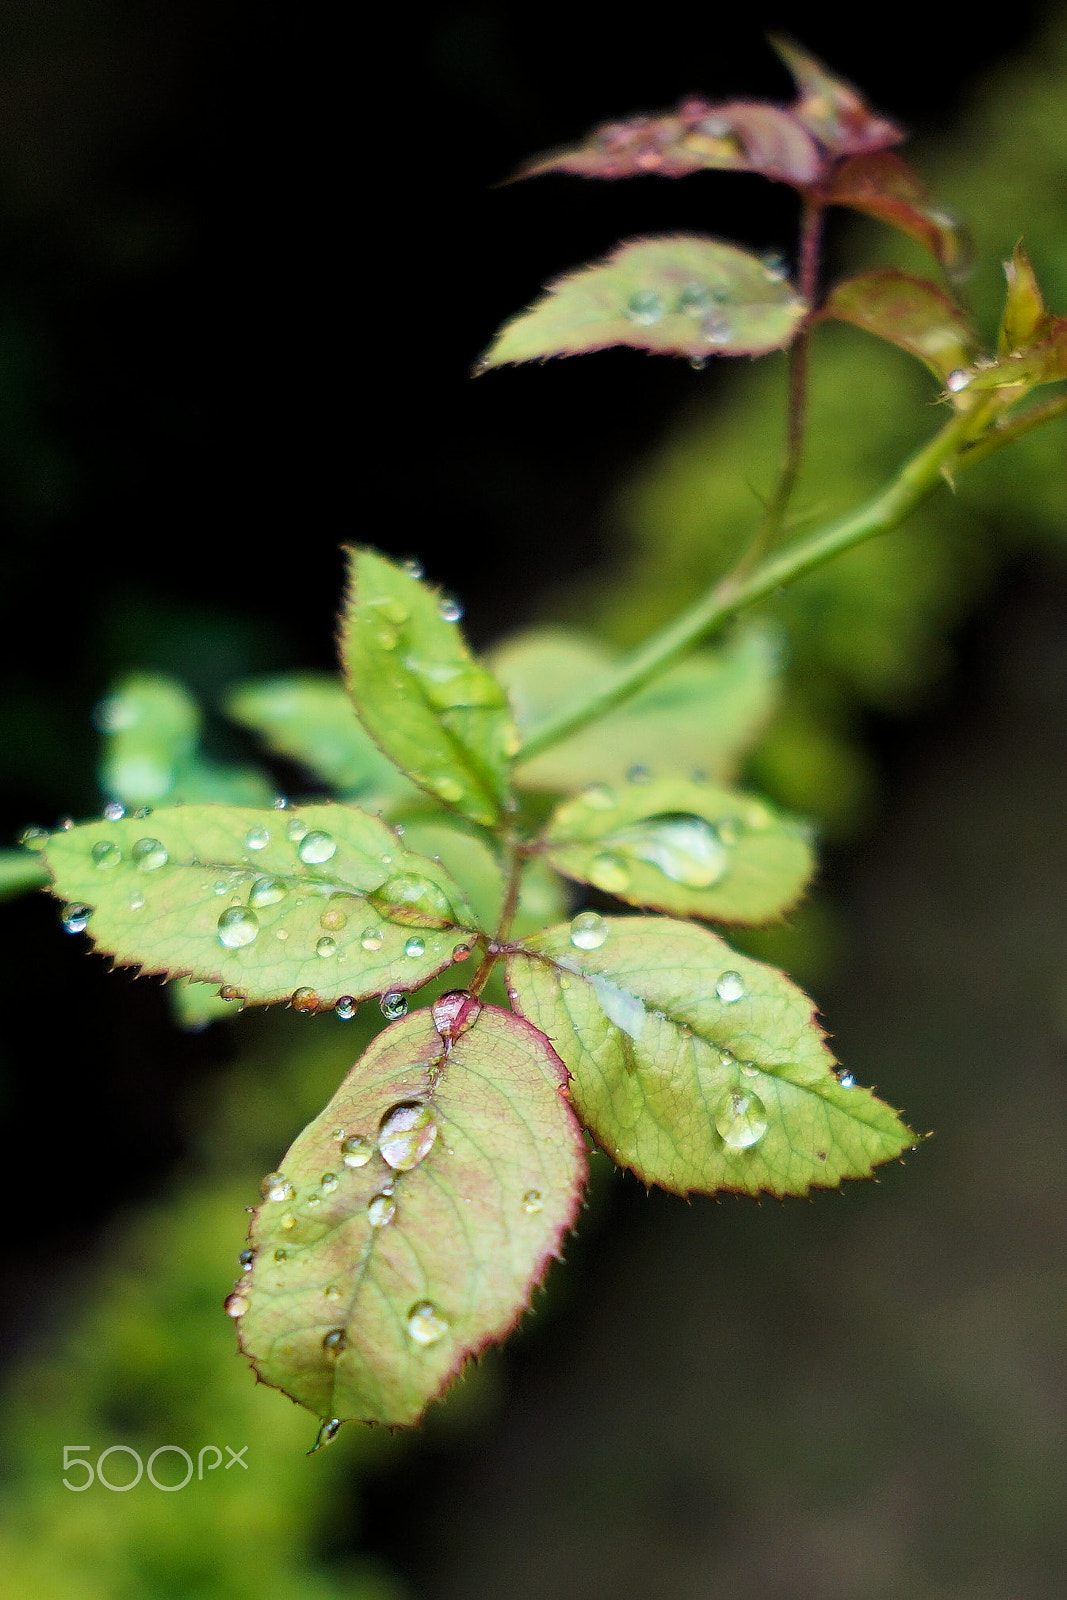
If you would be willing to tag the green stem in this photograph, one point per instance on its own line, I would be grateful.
(914, 483)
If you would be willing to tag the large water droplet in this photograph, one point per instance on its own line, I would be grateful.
(645, 307)
(106, 854)
(532, 1202)
(237, 926)
(730, 987)
(588, 930)
(346, 1008)
(326, 947)
(694, 300)
(266, 892)
(425, 1323)
(409, 898)
(381, 1209)
(406, 1134)
(372, 938)
(257, 838)
(305, 1000)
(740, 1119)
(393, 1005)
(449, 608)
(356, 1151)
(610, 873)
(415, 946)
(334, 1342)
(454, 1013)
(75, 918)
(236, 1305)
(316, 847)
(682, 846)
(149, 855)
(276, 1186)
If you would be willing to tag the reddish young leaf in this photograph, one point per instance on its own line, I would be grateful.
(1025, 322)
(736, 136)
(909, 312)
(832, 109)
(883, 186)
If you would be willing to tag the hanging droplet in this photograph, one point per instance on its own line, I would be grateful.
(775, 266)
(237, 927)
(326, 1434)
(599, 797)
(316, 847)
(393, 1005)
(959, 379)
(415, 946)
(334, 1342)
(413, 567)
(645, 307)
(454, 1013)
(381, 1209)
(425, 1323)
(407, 1134)
(295, 829)
(449, 608)
(266, 892)
(356, 1151)
(372, 938)
(847, 1080)
(730, 987)
(329, 1183)
(610, 873)
(531, 1202)
(326, 947)
(682, 846)
(105, 855)
(114, 811)
(228, 992)
(75, 918)
(149, 855)
(257, 838)
(588, 930)
(276, 1186)
(333, 919)
(346, 1008)
(236, 1305)
(305, 1000)
(741, 1119)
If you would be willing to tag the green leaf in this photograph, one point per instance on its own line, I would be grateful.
(677, 295)
(414, 1217)
(694, 1066)
(434, 710)
(683, 847)
(832, 109)
(1026, 321)
(323, 900)
(909, 312)
(308, 718)
(703, 714)
(884, 187)
(20, 871)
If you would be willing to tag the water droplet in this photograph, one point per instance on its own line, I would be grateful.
(326, 947)
(372, 938)
(741, 1119)
(149, 855)
(33, 838)
(449, 608)
(280, 803)
(776, 267)
(237, 926)
(295, 829)
(236, 1305)
(316, 847)
(698, 363)
(393, 1005)
(345, 1008)
(314, 1200)
(588, 930)
(221, 886)
(326, 1434)
(331, 1293)
(356, 1151)
(415, 946)
(413, 567)
(136, 901)
(425, 1323)
(406, 1134)
(599, 797)
(682, 846)
(748, 1070)
(645, 307)
(245, 1259)
(412, 899)
(114, 811)
(716, 329)
(334, 1342)
(638, 774)
(329, 1183)
(266, 892)
(333, 919)
(727, 1059)
(338, 1134)
(75, 918)
(281, 1255)
(228, 992)
(454, 1013)
(281, 933)
(609, 873)
(276, 1186)
(105, 855)
(257, 838)
(305, 1000)
(960, 379)
(287, 1220)
(461, 952)
(531, 1202)
(694, 300)
(381, 1209)
(730, 987)
(847, 1080)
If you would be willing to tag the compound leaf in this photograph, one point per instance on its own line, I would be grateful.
(676, 295)
(435, 711)
(883, 186)
(683, 847)
(909, 312)
(308, 905)
(831, 109)
(412, 1219)
(694, 1066)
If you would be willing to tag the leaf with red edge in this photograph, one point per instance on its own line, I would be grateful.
(676, 295)
(909, 312)
(831, 109)
(733, 136)
(1026, 321)
(883, 186)
(411, 1220)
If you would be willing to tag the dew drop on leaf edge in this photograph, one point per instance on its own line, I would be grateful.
(393, 1005)
(276, 1186)
(75, 918)
(345, 1009)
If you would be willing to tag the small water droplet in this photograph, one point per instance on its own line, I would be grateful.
(33, 838)
(748, 1070)
(280, 803)
(730, 987)
(338, 1134)
(588, 930)
(287, 1221)
(531, 1202)
(333, 919)
(454, 1013)
(415, 946)
(281, 933)
(727, 1059)
(393, 1005)
(331, 1293)
(345, 1008)
(334, 1342)
(316, 847)
(305, 1000)
(741, 1119)
(228, 992)
(638, 774)
(407, 1134)
(114, 811)
(776, 267)
(326, 1434)
(381, 1209)
(75, 918)
(106, 854)
(957, 380)
(372, 938)
(136, 901)
(356, 1151)
(295, 829)
(266, 892)
(329, 1183)
(425, 1323)
(326, 947)
(236, 1305)
(461, 952)
(413, 567)
(281, 1255)
(245, 1259)
(257, 838)
(237, 927)
(314, 1200)
(698, 363)
(847, 1080)
(694, 300)
(276, 1186)
(716, 329)
(392, 609)
(609, 873)
(220, 886)
(645, 307)
(449, 608)
(149, 855)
